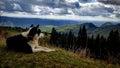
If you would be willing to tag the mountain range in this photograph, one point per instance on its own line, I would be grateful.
(25, 22)
(46, 25)
(105, 30)
(91, 29)
(106, 24)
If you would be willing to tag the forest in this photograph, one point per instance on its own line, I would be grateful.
(97, 47)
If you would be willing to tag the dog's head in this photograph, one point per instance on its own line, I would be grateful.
(33, 32)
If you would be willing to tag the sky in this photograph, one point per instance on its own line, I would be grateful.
(61, 9)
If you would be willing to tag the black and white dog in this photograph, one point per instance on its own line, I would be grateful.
(27, 41)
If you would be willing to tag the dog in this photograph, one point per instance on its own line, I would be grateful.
(27, 42)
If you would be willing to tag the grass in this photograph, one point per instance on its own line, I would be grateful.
(58, 59)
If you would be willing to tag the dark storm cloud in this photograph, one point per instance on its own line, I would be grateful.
(116, 2)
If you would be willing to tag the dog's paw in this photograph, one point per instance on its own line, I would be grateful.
(50, 50)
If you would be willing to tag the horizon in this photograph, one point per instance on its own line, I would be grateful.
(25, 22)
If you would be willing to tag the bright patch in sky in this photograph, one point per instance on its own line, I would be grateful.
(62, 17)
(16, 6)
(71, 0)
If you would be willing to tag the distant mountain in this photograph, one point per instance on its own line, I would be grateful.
(25, 22)
(91, 29)
(106, 24)
(89, 26)
(7, 24)
(74, 28)
(105, 30)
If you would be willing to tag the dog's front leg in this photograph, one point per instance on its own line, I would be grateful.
(40, 48)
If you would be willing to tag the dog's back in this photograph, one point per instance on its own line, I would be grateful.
(18, 43)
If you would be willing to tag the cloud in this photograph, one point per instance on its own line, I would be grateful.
(60, 9)
(72, 1)
(62, 17)
(116, 2)
(16, 6)
(2, 5)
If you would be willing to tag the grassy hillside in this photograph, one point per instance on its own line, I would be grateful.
(58, 59)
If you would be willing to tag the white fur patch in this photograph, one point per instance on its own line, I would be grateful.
(24, 34)
(40, 48)
(34, 44)
(41, 35)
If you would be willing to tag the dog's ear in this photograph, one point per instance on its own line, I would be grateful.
(32, 25)
(37, 26)
(39, 31)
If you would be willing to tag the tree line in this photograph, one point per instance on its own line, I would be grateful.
(97, 47)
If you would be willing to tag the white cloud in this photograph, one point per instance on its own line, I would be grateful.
(39, 0)
(62, 9)
(57, 10)
(36, 8)
(71, 1)
(40, 10)
(16, 6)
(1, 2)
(62, 17)
(2, 5)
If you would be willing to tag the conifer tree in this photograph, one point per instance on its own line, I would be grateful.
(114, 43)
(110, 42)
(84, 37)
(59, 36)
(66, 41)
(53, 38)
(70, 40)
(79, 40)
(63, 40)
(90, 44)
